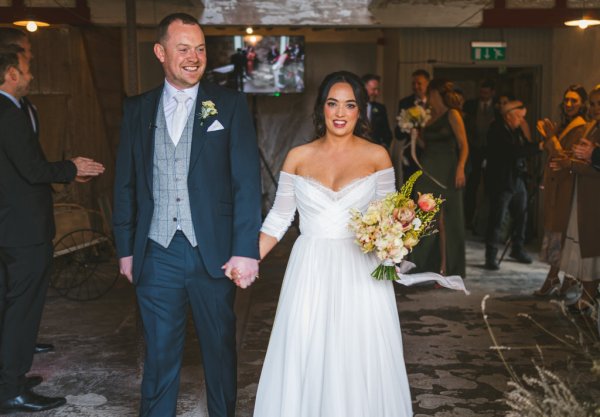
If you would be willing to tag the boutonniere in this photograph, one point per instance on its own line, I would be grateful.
(208, 109)
(375, 110)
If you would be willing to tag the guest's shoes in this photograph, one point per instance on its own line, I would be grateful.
(491, 264)
(549, 288)
(43, 348)
(572, 291)
(30, 401)
(519, 255)
(32, 381)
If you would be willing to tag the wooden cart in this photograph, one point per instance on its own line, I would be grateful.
(85, 266)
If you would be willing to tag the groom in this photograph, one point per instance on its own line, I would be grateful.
(187, 205)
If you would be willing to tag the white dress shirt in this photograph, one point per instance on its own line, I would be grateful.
(169, 103)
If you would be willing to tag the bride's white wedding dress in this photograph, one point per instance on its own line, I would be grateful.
(336, 347)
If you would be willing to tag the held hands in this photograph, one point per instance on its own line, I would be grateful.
(584, 150)
(86, 168)
(242, 271)
(126, 267)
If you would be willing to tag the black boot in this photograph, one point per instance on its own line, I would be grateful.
(519, 254)
(490, 258)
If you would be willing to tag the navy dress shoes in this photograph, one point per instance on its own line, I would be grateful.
(30, 401)
(43, 348)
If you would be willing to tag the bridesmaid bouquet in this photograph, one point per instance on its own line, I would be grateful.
(413, 118)
(394, 225)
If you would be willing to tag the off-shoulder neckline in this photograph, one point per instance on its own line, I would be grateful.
(345, 186)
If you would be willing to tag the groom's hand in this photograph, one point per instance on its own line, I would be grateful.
(242, 271)
(126, 267)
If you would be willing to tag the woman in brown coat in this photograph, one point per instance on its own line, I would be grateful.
(581, 250)
(558, 142)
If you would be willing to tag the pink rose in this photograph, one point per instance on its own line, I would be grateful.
(405, 215)
(426, 202)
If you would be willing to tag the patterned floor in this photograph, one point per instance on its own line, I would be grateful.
(452, 369)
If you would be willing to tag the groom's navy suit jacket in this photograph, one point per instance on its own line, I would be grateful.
(223, 180)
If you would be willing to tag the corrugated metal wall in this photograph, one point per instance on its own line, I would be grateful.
(410, 49)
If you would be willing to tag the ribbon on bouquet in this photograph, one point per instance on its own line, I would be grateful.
(453, 282)
(414, 134)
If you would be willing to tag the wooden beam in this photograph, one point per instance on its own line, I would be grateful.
(75, 16)
(560, 4)
(132, 45)
(531, 18)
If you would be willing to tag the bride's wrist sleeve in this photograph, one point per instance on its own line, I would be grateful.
(282, 213)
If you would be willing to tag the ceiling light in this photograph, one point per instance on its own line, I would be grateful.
(583, 23)
(249, 30)
(31, 25)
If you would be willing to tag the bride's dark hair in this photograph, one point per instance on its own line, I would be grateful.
(362, 128)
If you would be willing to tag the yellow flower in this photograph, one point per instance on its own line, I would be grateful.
(414, 112)
(208, 109)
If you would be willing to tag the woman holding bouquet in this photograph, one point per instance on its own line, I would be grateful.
(336, 347)
(443, 161)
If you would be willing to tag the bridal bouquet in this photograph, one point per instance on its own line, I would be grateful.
(413, 118)
(394, 225)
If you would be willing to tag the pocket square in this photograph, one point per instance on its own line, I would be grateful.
(216, 125)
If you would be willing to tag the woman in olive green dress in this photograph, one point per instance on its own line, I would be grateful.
(443, 162)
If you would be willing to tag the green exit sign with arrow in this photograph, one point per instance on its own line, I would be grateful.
(488, 51)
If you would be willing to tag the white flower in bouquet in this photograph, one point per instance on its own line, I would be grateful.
(414, 117)
(393, 226)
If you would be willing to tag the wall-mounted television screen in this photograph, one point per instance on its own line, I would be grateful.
(257, 64)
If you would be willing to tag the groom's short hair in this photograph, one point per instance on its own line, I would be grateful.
(163, 26)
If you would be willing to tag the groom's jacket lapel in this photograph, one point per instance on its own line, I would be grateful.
(200, 126)
(148, 120)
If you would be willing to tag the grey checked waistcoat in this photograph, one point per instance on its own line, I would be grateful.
(169, 185)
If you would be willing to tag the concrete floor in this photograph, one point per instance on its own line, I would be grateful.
(451, 368)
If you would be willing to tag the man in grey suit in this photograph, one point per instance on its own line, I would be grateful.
(187, 214)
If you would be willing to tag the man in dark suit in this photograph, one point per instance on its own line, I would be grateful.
(187, 205)
(506, 171)
(479, 115)
(400, 150)
(376, 112)
(26, 232)
(13, 36)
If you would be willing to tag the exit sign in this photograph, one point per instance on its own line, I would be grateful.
(488, 51)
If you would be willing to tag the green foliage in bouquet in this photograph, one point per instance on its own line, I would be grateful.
(393, 226)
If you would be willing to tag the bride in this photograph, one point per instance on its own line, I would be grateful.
(336, 346)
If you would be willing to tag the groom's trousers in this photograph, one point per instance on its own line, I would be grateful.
(172, 280)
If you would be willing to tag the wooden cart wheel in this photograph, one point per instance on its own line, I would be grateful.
(85, 265)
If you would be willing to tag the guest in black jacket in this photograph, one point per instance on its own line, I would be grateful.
(400, 149)
(479, 115)
(26, 232)
(376, 112)
(506, 171)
